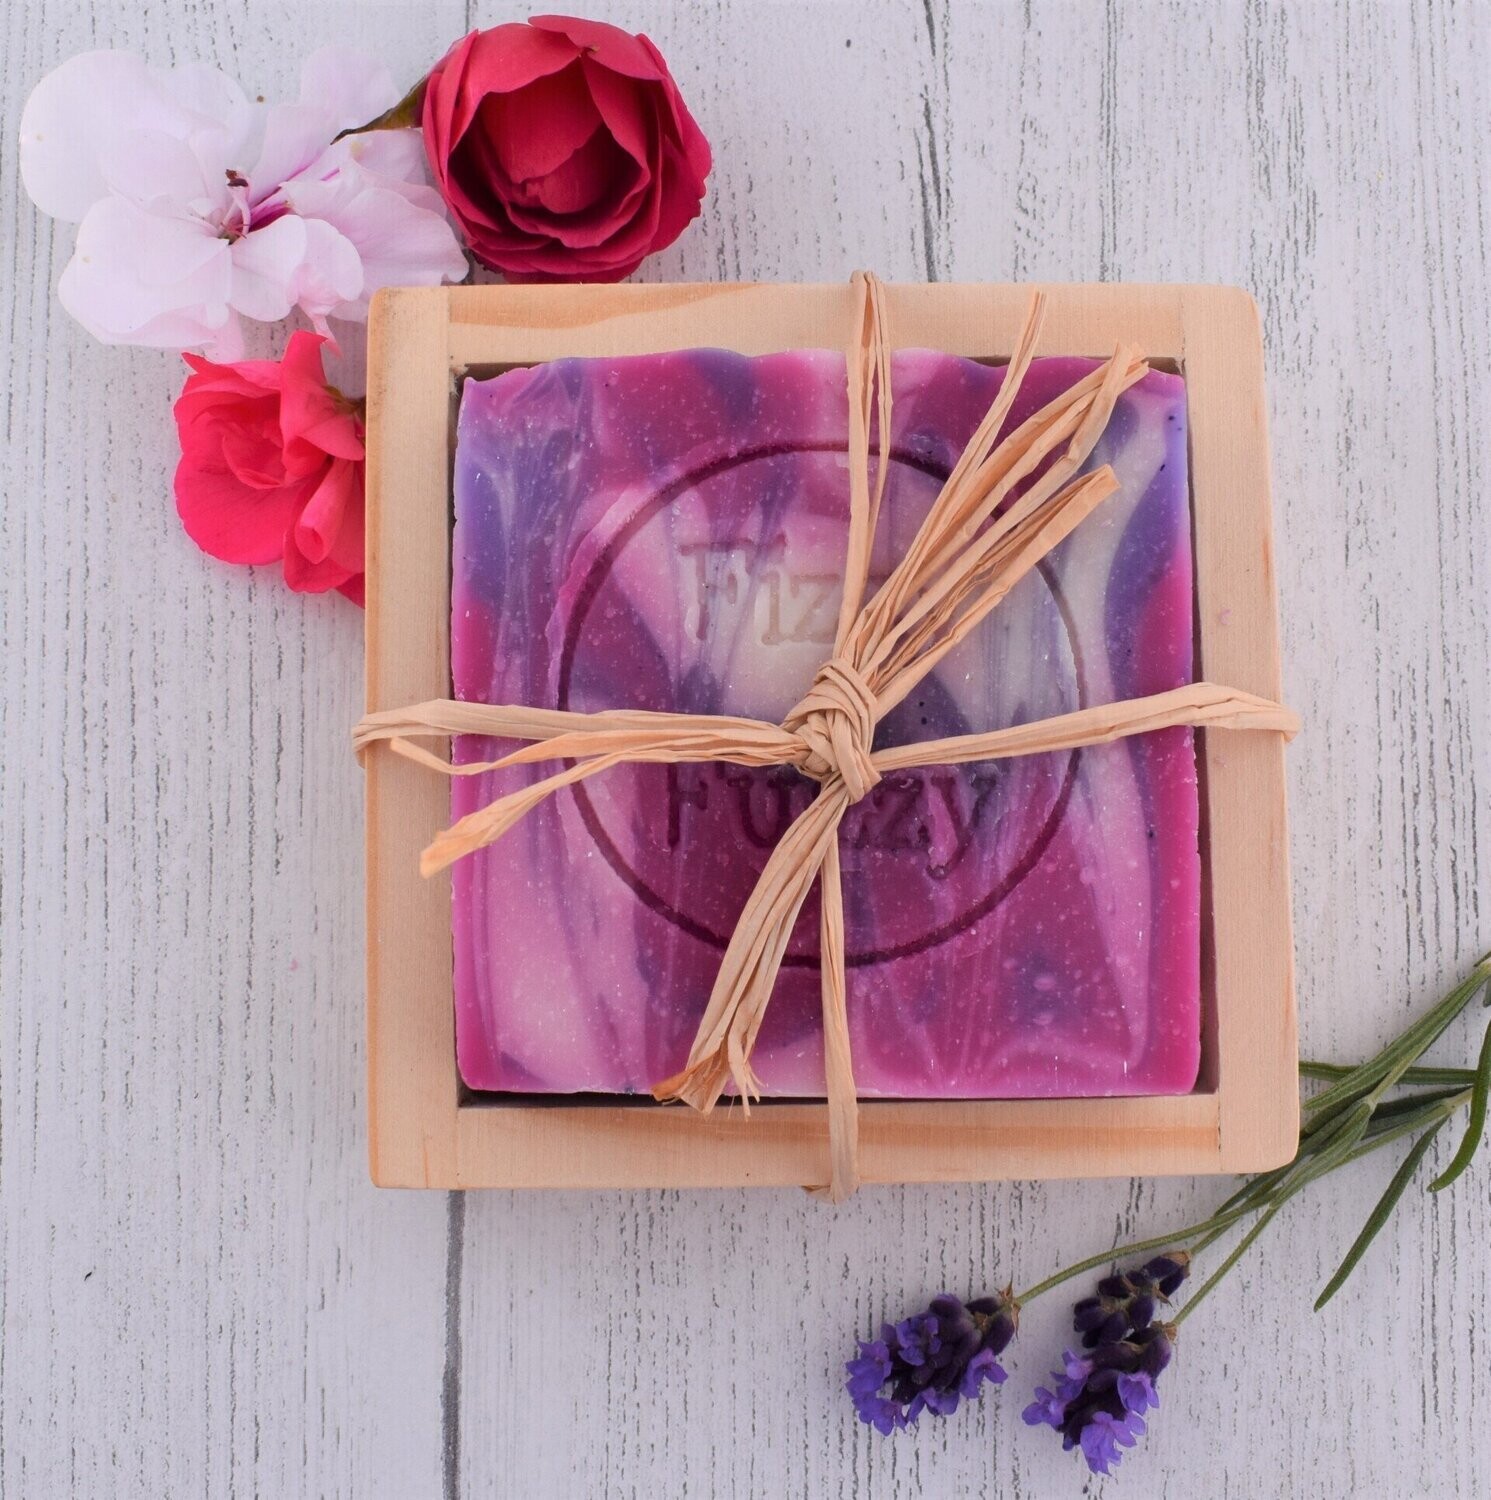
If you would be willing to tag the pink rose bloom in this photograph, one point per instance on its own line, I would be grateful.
(563, 149)
(272, 467)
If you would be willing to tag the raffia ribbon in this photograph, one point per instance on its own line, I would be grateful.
(964, 559)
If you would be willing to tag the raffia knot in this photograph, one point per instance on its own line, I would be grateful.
(835, 720)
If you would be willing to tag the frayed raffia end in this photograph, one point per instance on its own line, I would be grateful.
(701, 1083)
(974, 545)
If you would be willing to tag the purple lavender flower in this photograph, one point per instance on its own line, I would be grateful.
(1126, 1302)
(1097, 1400)
(1103, 1435)
(1137, 1393)
(932, 1361)
(1049, 1406)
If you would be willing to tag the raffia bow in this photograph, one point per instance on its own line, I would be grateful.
(964, 559)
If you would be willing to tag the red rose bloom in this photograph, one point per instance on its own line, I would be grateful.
(563, 149)
(272, 467)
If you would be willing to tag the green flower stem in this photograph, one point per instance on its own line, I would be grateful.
(1427, 1112)
(1257, 1187)
(1480, 1096)
(1317, 1137)
(1195, 1247)
(1393, 1109)
(1209, 1285)
(1176, 1240)
(1346, 1146)
(1196, 1236)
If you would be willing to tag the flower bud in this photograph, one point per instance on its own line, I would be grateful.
(1141, 1312)
(1168, 1272)
(1156, 1346)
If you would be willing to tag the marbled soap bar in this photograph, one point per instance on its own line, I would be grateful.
(667, 532)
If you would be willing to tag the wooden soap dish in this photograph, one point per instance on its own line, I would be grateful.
(426, 1130)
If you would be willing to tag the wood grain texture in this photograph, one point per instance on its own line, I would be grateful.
(200, 1293)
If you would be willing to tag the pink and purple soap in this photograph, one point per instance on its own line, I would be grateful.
(667, 532)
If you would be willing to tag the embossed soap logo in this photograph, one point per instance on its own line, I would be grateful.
(719, 593)
(788, 606)
(931, 816)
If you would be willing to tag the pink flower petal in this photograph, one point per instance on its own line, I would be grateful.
(352, 87)
(680, 197)
(159, 172)
(628, 110)
(344, 561)
(266, 266)
(695, 145)
(248, 378)
(339, 90)
(584, 201)
(294, 262)
(228, 520)
(295, 136)
(398, 231)
(610, 46)
(312, 416)
(217, 117)
(540, 126)
(394, 155)
(349, 548)
(584, 179)
(252, 457)
(81, 107)
(140, 278)
(331, 274)
(440, 118)
(337, 495)
(226, 343)
(502, 60)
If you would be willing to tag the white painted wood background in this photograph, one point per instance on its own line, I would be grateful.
(202, 1295)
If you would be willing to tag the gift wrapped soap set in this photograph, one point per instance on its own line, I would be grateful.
(899, 728)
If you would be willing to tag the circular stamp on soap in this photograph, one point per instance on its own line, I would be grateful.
(719, 592)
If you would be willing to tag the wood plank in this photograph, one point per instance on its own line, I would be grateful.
(201, 1293)
(412, 1083)
(1250, 965)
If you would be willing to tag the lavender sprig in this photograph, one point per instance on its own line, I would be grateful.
(1098, 1400)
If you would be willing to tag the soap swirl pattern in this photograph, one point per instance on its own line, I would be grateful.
(665, 532)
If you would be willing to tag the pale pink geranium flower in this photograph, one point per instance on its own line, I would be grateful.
(197, 207)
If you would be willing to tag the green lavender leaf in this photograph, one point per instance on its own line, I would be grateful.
(1379, 1215)
(1390, 1111)
(1407, 1048)
(1256, 1188)
(1476, 1125)
(1394, 1130)
(1412, 1077)
(1349, 1118)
